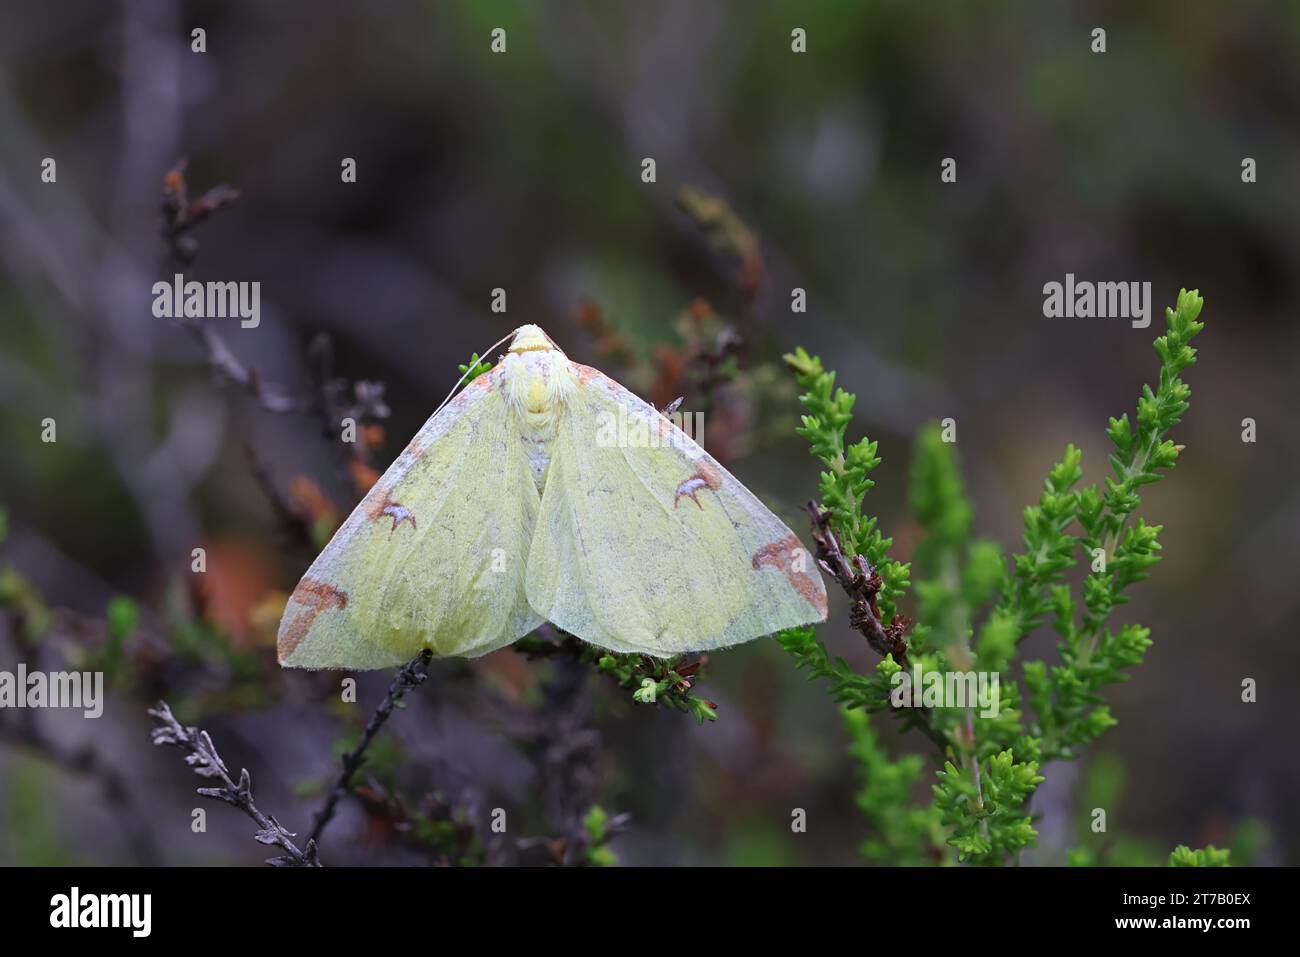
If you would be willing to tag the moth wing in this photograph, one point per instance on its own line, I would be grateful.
(432, 557)
(656, 548)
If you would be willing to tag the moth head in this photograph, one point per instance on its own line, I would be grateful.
(530, 338)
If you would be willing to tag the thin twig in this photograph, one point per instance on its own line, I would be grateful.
(862, 584)
(411, 675)
(335, 398)
(972, 757)
(709, 359)
(181, 214)
(271, 397)
(340, 399)
(728, 343)
(294, 522)
(727, 233)
(201, 755)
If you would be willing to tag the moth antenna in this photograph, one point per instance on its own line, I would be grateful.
(459, 381)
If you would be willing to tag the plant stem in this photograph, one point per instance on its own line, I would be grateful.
(202, 757)
(411, 675)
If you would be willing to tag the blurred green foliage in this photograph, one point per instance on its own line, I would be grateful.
(31, 816)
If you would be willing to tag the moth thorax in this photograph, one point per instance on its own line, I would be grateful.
(537, 385)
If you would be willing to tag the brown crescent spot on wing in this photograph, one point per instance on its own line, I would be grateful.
(706, 476)
(707, 471)
(780, 555)
(380, 505)
(314, 597)
(375, 503)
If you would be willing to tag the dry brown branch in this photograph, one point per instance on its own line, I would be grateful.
(411, 675)
(201, 755)
(181, 214)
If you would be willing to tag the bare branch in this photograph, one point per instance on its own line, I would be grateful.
(411, 675)
(180, 214)
(201, 755)
(271, 397)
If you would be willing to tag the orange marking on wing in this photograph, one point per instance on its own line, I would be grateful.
(706, 470)
(780, 555)
(375, 504)
(585, 373)
(314, 597)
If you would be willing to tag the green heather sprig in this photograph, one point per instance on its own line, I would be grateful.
(986, 815)
(1066, 697)
(845, 482)
(981, 790)
(973, 608)
(474, 368)
(902, 832)
(666, 681)
(849, 533)
(599, 829)
(1209, 856)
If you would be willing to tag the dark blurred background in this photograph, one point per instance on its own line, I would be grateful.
(523, 171)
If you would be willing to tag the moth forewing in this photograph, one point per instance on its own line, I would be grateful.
(418, 562)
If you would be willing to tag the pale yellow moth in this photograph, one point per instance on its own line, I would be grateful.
(545, 491)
